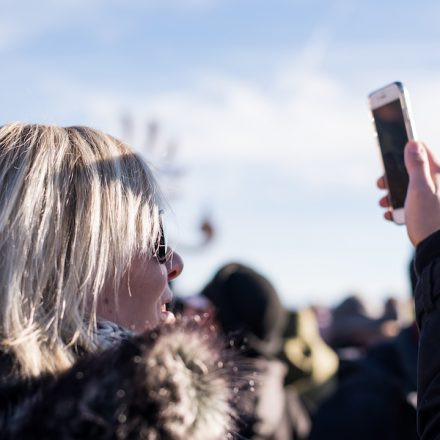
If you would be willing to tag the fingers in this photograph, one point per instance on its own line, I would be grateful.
(388, 216)
(417, 163)
(434, 164)
(384, 202)
(382, 183)
(423, 170)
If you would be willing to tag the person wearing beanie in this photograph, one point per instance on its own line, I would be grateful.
(248, 308)
(246, 302)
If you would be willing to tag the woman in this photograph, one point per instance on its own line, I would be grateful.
(84, 265)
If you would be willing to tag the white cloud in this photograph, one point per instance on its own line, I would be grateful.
(310, 122)
(305, 122)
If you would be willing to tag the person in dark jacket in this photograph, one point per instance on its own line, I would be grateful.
(422, 219)
(88, 349)
(376, 394)
(353, 328)
(248, 308)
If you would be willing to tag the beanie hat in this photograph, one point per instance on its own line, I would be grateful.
(246, 301)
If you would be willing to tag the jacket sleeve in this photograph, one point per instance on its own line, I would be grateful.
(427, 298)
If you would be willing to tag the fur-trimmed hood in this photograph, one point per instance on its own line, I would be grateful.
(176, 382)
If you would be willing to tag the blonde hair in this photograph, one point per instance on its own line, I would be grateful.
(75, 206)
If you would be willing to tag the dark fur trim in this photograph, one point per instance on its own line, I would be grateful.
(177, 382)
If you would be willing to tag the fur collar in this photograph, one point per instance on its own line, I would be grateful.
(176, 382)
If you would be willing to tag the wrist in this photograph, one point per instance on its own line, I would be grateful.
(426, 251)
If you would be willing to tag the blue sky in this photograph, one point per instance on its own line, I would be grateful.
(267, 101)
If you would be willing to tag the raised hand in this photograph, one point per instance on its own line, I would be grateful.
(422, 204)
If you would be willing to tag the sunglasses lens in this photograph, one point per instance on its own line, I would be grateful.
(162, 252)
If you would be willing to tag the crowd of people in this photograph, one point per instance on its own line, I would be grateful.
(90, 347)
(322, 372)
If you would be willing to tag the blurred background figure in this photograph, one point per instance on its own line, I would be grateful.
(312, 364)
(248, 309)
(376, 395)
(352, 326)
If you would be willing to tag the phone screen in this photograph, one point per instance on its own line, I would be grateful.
(390, 127)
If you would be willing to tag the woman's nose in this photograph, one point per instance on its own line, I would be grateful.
(174, 266)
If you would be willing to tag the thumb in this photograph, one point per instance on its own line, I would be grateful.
(417, 165)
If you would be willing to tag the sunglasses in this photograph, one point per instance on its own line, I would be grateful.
(162, 251)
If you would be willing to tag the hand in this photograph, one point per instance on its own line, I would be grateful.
(422, 204)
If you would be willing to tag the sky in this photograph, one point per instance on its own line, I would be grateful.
(265, 106)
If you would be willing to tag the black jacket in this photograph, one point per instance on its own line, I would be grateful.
(427, 294)
(375, 398)
(173, 383)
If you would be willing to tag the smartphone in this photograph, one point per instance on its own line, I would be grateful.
(392, 120)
